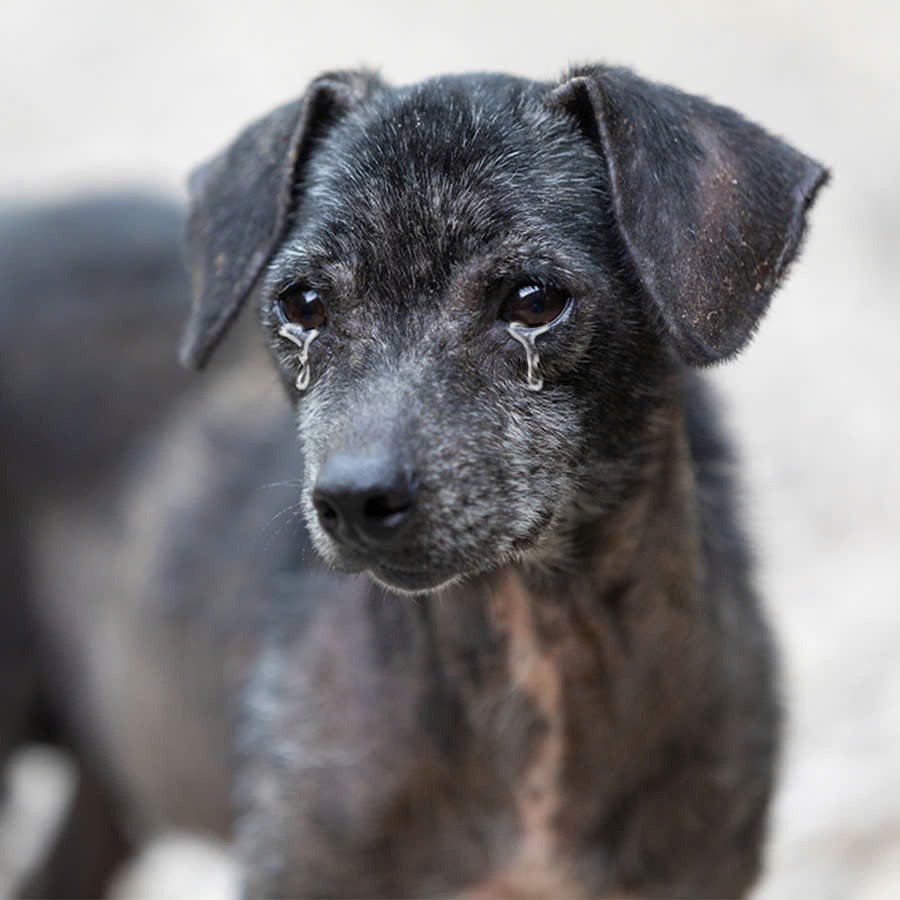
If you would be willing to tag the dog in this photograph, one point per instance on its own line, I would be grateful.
(484, 296)
(533, 663)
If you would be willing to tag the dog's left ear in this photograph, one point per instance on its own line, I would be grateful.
(241, 199)
(710, 208)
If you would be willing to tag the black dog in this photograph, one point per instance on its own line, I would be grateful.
(484, 296)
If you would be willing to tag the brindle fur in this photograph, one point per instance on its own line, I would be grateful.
(583, 701)
(559, 683)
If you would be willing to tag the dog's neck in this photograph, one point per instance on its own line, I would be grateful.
(590, 647)
(649, 540)
(641, 559)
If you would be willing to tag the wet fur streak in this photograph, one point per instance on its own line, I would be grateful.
(554, 679)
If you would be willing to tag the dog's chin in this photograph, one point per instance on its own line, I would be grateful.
(428, 578)
(401, 580)
(406, 581)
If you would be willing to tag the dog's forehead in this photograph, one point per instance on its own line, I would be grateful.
(444, 167)
(445, 132)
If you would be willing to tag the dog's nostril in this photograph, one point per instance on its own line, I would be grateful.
(327, 513)
(387, 510)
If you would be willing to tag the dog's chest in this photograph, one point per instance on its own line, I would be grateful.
(448, 750)
(538, 865)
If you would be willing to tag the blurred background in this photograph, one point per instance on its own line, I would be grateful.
(98, 94)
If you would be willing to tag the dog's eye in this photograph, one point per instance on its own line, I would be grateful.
(301, 306)
(533, 304)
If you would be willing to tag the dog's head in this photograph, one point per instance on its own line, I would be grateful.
(475, 289)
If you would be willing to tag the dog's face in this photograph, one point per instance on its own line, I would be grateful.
(429, 220)
(477, 289)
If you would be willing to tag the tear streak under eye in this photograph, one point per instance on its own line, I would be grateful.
(527, 336)
(302, 338)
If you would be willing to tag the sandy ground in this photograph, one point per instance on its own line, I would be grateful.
(99, 93)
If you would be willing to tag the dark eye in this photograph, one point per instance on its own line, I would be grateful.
(533, 304)
(301, 306)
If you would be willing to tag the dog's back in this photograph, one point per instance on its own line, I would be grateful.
(92, 297)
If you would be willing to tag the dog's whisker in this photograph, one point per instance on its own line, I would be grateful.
(290, 482)
(273, 529)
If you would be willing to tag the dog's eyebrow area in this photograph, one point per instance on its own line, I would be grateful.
(310, 263)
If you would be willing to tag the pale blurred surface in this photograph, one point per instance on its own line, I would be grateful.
(39, 783)
(100, 93)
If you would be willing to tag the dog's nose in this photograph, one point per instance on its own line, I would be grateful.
(370, 498)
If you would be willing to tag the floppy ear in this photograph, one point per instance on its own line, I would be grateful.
(711, 209)
(241, 199)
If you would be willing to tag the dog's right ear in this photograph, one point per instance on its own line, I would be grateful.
(241, 199)
(710, 208)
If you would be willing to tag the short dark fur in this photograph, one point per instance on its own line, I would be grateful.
(600, 504)
(580, 697)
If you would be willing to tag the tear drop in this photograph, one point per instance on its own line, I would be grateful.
(302, 338)
(526, 336)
